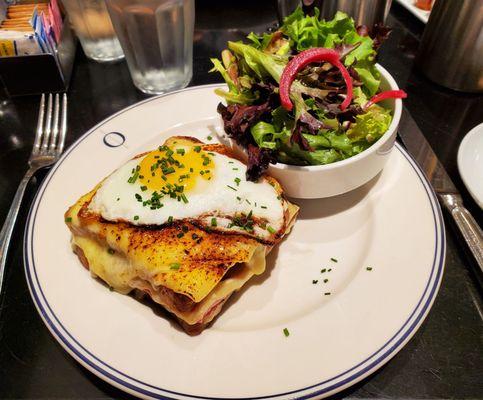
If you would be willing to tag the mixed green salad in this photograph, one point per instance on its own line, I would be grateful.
(333, 116)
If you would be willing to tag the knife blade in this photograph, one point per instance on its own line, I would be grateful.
(448, 195)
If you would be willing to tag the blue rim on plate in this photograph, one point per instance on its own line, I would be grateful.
(139, 388)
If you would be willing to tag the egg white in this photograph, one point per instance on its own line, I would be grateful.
(225, 196)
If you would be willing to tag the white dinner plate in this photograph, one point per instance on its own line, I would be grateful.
(387, 237)
(417, 12)
(470, 162)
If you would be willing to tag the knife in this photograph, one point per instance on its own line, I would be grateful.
(448, 195)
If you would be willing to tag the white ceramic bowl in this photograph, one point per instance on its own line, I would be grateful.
(317, 181)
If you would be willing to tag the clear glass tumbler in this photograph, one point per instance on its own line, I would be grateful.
(94, 29)
(157, 39)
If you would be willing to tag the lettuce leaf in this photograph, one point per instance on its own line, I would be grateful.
(370, 126)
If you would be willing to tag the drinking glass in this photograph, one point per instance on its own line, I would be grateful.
(94, 29)
(157, 39)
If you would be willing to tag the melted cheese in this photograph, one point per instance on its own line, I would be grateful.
(119, 273)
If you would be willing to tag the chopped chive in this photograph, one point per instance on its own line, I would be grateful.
(248, 201)
(183, 197)
(314, 281)
(369, 268)
(168, 170)
(138, 197)
(180, 235)
(209, 137)
(286, 332)
(326, 280)
(238, 198)
(136, 217)
(194, 236)
(330, 269)
(68, 219)
(237, 181)
(118, 199)
(213, 221)
(180, 151)
(270, 229)
(174, 266)
(111, 251)
(323, 270)
(327, 294)
(191, 169)
(263, 207)
(230, 162)
(184, 228)
(235, 169)
(231, 187)
(170, 219)
(333, 259)
(144, 188)
(197, 149)
(206, 161)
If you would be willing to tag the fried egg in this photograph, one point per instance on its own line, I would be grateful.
(187, 180)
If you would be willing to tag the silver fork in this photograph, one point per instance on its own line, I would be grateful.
(47, 148)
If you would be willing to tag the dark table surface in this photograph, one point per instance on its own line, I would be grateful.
(445, 357)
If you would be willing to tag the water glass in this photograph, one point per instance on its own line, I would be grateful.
(94, 29)
(157, 39)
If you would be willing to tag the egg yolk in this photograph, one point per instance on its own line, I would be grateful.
(168, 167)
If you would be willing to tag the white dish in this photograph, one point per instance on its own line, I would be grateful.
(318, 181)
(470, 163)
(335, 340)
(417, 12)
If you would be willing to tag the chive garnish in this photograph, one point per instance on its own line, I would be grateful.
(180, 235)
(68, 219)
(136, 217)
(180, 151)
(333, 259)
(263, 207)
(144, 188)
(323, 270)
(209, 137)
(170, 219)
(369, 268)
(197, 149)
(237, 181)
(314, 281)
(213, 221)
(270, 229)
(231, 187)
(110, 251)
(174, 266)
(327, 294)
(235, 169)
(326, 280)
(286, 332)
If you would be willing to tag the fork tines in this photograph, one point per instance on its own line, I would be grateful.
(51, 126)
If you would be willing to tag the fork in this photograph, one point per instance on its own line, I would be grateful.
(47, 148)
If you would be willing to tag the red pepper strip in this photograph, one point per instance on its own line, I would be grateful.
(388, 94)
(318, 54)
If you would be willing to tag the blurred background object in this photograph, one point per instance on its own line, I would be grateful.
(94, 29)
(424, 4)
(364, 12)
(451, 50)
